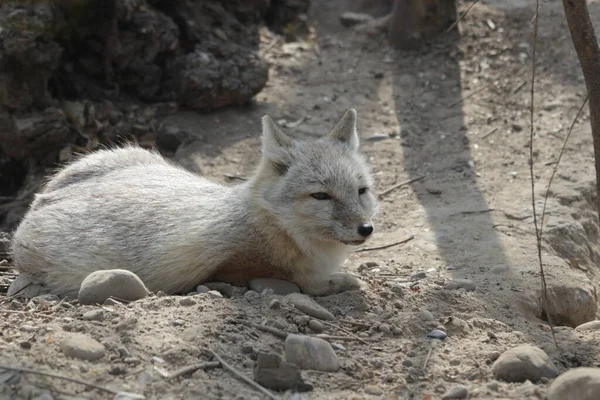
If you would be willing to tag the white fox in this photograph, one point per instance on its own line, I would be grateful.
(129, 208)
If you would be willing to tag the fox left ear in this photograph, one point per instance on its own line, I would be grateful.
(345, 130)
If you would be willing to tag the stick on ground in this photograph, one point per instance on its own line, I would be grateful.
(385, 246)
(398, 186)
(193, 368)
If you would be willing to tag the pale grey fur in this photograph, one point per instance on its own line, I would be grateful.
(130, 208)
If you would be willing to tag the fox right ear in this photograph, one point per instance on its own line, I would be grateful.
(275, 145)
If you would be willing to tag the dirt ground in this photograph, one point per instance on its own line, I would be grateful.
(453, 116)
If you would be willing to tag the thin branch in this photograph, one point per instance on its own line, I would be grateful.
(65, 378)
(242, 376)
(193, 368)
(538, 234)
(562, 150)
(269, 329)
(385, 246)
(462, 16)
(399, 185)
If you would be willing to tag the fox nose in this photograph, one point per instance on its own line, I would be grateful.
(365, 230)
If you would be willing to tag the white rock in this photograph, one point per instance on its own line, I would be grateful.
(576, 384)
(94, 315)
(570, 305)
(78, 345)
(311, 353)
(119, 283)
(589, 326)
(523, 363)
(309, 306)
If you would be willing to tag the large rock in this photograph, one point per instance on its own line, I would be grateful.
(309, 306)
(523, 363)
(576, 384)
(570, 305)
(311, 353)
(118, 283)
(78, 345)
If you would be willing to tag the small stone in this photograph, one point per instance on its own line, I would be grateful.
(589, 326)
(274, 373)
(251, 296)
(126, 324)
(385, 328)
(311, 353)
(523, 363)
(128, 396)
(426, 315)
(466, 284)
(418, 276)
(279, 286)
(275, 304)
(178, 322)
(494, 355)
(247, 348)
(570, 304)
(94, 315)
(407, 363)
(78, 345)
(215, 293)
(494, 386)
(437, 334)
(112, 302)
(160, 293)
(349, 19)
(123, 352)
(25, 345)
(373, 390)
(576, 384)
(316, 325)
(301, 320)
(187, 301)
(457, 392)
(28, 328)
(338, 346)
(119, 283)
(309, 306)
(202, 289)
(225, 289)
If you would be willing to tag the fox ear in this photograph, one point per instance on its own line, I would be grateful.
(275, 145)
(345, 130)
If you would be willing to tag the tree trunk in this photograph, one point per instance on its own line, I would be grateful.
(413, 21)
(588, 52)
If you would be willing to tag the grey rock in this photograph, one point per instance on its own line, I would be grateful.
(274, 373)
(202, 289)
(373, 390)
(78, 345)
(576, 384)
(225, 289)
(316, 325)
(466, 284)
(215, 293)
(523, 363)
(437, 334)
(119, 283)
(279, 286)
(589, 326)
(309, 306)
(349, 19)
(570, 305)
(94, 315)
(426, 315)
(311, 353)
(23, 287)
(457, 392)
(187, 301)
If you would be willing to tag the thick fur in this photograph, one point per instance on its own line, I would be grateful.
(130, 208)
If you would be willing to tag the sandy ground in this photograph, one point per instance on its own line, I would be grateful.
(454, 115)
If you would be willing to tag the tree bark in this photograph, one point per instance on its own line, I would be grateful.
(413, 21)
(588, 52)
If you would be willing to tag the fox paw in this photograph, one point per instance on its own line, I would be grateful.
(333, 284)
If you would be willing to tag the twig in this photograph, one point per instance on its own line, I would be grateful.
(274, 331)
(353, 338)
(427, 359)
(462, 16)
(489, 133)
(399, 185)
(355, 323)
(385, 246)
(50, 374)
(538, 234)
(243, 377)
(193, 368)
(473, 93)
(345, 331)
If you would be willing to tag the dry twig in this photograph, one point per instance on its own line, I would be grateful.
(242, 376)
(462, 16)
(193, 368)
(385, 246)
(399, 185)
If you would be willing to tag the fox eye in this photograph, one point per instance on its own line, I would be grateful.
(362, 191)
(321, 196)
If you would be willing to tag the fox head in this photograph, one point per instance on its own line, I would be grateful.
(318, 190)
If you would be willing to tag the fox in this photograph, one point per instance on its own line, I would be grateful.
(296, 218)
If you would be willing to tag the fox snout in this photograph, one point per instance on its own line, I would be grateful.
(365, 230)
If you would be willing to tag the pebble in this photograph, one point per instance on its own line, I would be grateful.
(301, 320)
(373, 390)
(576, 384)
(94, 315)
(279, 286)
(385, 328)
(215, 293)
(493, 386)
(338, 346)
(275, 304)
(494, 355)
(349, 19)
(316, 325)
(251, 296)
(571, 305)
(418, 276)
(128, 396)
(457, 392)
(589, 326)
(311, 353)
(274, 373)
(309, 306)
(524, 362)
(123, 352)
(119, 283)
(437, 334)
(225, 289)
(28, 328)
(407, 363)
(426, 315)
(78, 345)
(466, 284)
(187, 301)
(112, 302)
(202, 289)
(126, 324)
